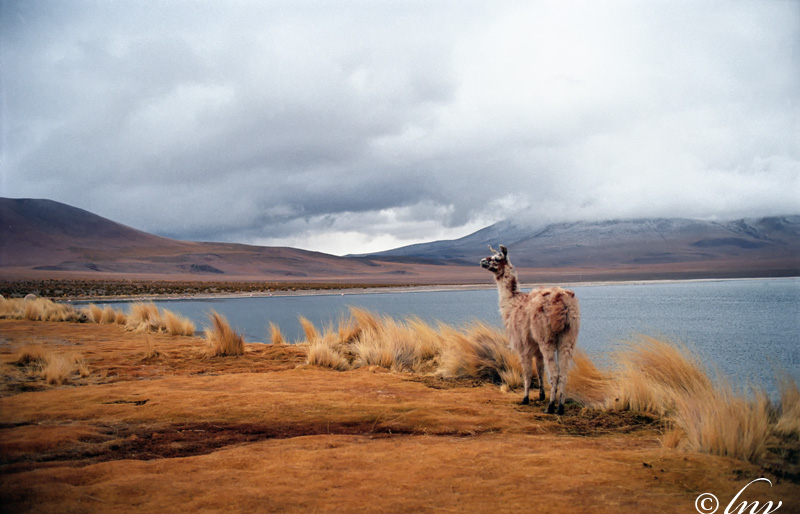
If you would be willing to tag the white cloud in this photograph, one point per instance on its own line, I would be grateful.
(385, 123)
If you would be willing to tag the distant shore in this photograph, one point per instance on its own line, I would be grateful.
(128, 290)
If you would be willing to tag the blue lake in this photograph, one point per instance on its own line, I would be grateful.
(747, 329)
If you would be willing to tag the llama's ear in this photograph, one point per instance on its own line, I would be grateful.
(494, 252)
(504, 250)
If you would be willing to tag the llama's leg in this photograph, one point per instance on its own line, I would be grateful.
(564, 358)
(540, 372)
(552, 373)
(526, 376)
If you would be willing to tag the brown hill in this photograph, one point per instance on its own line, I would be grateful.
(43, 238)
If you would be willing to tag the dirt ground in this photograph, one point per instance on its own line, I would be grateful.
(181, 432)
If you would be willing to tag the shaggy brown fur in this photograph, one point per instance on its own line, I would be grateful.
(541, 325)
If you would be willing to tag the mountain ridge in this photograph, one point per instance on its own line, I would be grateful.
(613, 243)
(44, 238)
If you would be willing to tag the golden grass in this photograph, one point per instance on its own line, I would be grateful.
(320, 354)
(412, 345)
(721, 422)
(275, 335)
(37, 309)
(221, 339)
(788, 422)
(651, 375)
(707, 416)
(312, 335)
(143, 317)
(177, 325)
(57, 369)
(151, 352)
(32, 354)
(586, 383)
(146, 317)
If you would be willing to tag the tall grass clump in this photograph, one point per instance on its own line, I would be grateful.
(55, 368)
(38, 309)
(31, 354)
(788, 419)
(481, 352)
(146, 317)
(667, 379)
(275, 334)
(652, 374)
(143, 317)
(412, 345)
(221, 339)
(722, 422)
(151, 352)
(176, 325)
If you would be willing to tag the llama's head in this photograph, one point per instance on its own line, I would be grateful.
(498, 262)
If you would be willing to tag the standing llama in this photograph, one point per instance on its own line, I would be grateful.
(538, 324)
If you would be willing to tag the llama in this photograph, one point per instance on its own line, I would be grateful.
(539, 324)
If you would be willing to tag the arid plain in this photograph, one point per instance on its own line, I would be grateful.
(152, 423)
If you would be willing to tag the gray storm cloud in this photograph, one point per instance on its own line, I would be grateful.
(357, 126)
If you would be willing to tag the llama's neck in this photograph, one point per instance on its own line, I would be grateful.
(507, 284)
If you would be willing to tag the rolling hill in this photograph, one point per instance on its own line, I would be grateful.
(46, 239)
(43, 238)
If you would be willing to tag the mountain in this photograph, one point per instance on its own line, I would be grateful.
(770, 245)
(44, 238)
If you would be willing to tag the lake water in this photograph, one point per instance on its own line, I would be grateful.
(745, 328)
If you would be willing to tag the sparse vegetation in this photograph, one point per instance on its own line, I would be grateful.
(649, 375)
(705, 415)
(56, 368)
(411, 345)
(151, 352)
(106, 288)
(143, 316)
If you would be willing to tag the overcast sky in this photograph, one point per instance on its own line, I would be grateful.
(354, 126)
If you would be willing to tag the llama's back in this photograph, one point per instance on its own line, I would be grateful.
(563, 313)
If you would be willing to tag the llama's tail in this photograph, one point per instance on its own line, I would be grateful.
(558, 310)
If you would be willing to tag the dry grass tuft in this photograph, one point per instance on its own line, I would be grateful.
(275, 335)
(176, 325)
(59, 368)
(54, 367)
(667, 379)
(788, 422)
(482, 352)
(31, 355)
(221, 339)
(109, 315)
(312, 335)
(586, 383)
(321, 354)
(652, 374)
(151, 352)
(412, 345)
(93, 313)
(143, 317)
(722, 422)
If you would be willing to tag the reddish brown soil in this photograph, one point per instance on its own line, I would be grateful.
(265, 433)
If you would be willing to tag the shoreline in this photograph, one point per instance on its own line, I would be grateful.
(389, 289)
